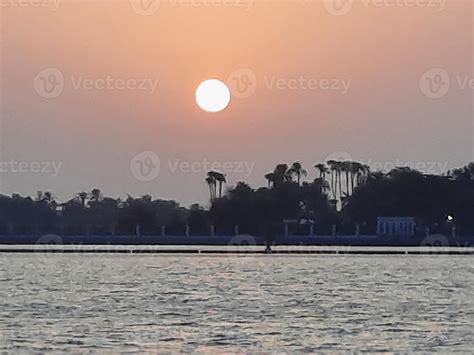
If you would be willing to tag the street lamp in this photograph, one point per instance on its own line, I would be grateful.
(450, 220)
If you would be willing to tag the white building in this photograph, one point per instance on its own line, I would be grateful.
(403, 226)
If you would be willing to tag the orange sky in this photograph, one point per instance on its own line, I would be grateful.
(380, 52)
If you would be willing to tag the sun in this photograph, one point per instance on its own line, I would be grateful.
(212, 95)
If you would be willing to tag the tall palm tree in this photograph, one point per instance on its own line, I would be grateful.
(347, 168)
(355, 168)
(333, 169)
(211, 183)
(220, 179)
(339, 169)
(297, 170)
(213, 178)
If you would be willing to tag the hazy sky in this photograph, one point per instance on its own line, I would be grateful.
(87, 86)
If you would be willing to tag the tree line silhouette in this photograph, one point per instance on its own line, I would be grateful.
(344, 194)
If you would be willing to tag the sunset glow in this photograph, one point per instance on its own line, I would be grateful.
(99, 82)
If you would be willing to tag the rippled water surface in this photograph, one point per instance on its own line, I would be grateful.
(230, 303)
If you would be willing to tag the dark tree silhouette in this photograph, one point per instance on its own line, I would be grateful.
(260, 211)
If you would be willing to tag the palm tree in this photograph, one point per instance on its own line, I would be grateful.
(355, 167)
(323, 170)
(271, 179)
(213, 178)
(333, 168)
(297, 170)
(220, 179)
(211, 183)
(347, 168)
(339, 169)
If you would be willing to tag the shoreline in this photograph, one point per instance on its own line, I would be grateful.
(234, 250)
(239, 241)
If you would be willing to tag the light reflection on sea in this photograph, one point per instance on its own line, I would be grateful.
(60, 302)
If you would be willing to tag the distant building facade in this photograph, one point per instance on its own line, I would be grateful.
(392, 226)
